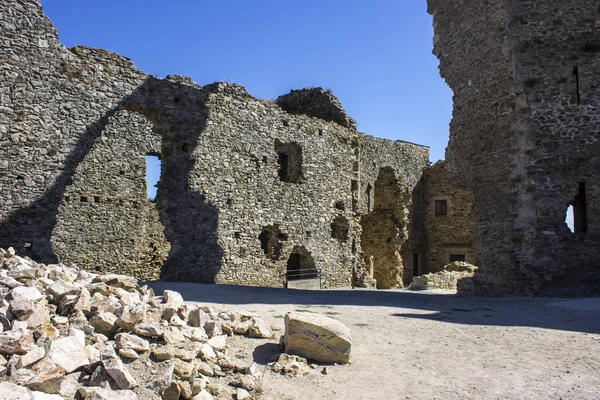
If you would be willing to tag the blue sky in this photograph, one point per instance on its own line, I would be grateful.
(374, 55)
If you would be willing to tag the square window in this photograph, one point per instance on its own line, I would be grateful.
(457, 257)
(441, 207)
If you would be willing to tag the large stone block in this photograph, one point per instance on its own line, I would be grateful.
(317, 337)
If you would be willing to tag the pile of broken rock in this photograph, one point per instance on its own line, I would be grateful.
(456, 275)
(70, 334)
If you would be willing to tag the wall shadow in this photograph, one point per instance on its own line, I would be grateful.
(178, 113)
(578, 315)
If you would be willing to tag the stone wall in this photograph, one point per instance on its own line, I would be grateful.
(524, 135)
(248, 188)
(449, 223)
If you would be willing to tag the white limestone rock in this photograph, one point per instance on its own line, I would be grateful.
(10, 391)
(129, 341)
(69, 354)
(45, 396)
(105, 322)
(117, 370)
(207, 352)
(317, 337)
(203, 395)
(149, 329)
(34, 355)
(25, 293)
(198, 318)
(259, 329)
(218, 342)
(107, 394)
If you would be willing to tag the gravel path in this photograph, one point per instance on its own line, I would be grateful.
(430, 345)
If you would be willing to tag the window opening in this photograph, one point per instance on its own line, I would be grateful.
(289, 158)
(579, 211)
(415, 265)
(284, 166)
(369, 194)
(339, 228)
(271, 240)
(441, 207)
(570, 218)
(153, 169)
(457, 257)
(576, 73)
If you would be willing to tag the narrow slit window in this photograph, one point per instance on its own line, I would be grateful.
(577, 84)
(415, 265)
(570, 219)
(369, 199)
(153, 168)
(580, 210)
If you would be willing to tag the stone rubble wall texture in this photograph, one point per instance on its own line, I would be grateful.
(524, 135)
(448, 234)
(75, 128)
(448, 278)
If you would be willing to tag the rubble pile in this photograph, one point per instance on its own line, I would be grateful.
(67, 333)
(458, 273)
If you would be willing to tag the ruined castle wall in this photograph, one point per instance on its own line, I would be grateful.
(385, 203)
(238, 171)
(105, 221)
(558, 90)
(449, 223)
(53, 104)
(473, 45)
(247, 187)
(522, 139)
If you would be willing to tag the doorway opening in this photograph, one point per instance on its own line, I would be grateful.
(301, 265)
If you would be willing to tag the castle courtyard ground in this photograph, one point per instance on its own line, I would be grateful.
(428, 345)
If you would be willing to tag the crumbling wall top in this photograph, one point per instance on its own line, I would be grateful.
(316, 102)
(102, 56)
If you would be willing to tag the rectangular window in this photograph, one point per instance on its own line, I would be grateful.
(284, 166)
(577, 87)
(441, 207)
(289, 158)
(457, 257)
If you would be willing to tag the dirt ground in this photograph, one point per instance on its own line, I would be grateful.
(429, 345)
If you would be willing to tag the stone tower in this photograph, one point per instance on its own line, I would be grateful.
(525, 136)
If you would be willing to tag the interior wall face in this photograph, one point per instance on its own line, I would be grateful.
(524, 135)
(105, 221)
(76, 125)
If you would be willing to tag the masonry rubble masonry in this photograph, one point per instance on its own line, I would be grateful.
(449, 278)
(248, 189)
